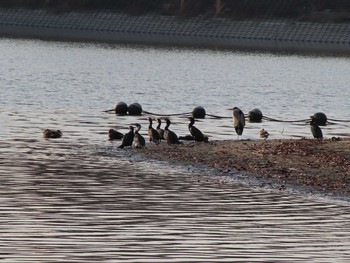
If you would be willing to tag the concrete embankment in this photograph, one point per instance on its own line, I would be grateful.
(104, 26)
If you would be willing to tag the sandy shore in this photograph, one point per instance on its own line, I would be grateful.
(321, 166)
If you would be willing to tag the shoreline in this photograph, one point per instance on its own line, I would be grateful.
(309, 166)
(282, 35)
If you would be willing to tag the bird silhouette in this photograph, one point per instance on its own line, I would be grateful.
(52, 133)
(128, 138)
(115, 135)
(195, 132)
(238, 120)
(139, 140)
(169, 135)
(315, 129)
(152, 133)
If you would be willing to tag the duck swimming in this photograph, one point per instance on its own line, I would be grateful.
(52, 133)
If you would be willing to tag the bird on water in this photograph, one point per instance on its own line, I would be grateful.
(152, 133)
(238, 120)
(169, 135)
(195, 132)
(52, 133)
(160, 130)
(315, 129)
(263, 134)
(115, 135)
(128, 138)
(139, 141)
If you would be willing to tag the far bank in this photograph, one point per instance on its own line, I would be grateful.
(280, 35)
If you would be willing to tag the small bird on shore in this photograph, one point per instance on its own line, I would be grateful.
(238, 120)
(169, 135)
(160, 130)
(139, 141)
(152, 133)
(315, 129)
(263, 134)
(195, 132)
(52, 133)
(128, 138)
(115, 135)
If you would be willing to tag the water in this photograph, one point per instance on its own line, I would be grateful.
(81, 199)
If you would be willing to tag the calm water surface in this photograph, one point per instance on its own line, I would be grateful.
(81, 199)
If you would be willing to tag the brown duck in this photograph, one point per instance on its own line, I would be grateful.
(52, 133)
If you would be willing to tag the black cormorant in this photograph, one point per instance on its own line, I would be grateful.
(195, 132)
(152, 133)
(139, 140)
(169, 135)
(160, 130)
(128, 138)
(315, 130)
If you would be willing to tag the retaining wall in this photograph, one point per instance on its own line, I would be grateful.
(270, 35)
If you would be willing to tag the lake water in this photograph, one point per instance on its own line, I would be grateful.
(81, 199)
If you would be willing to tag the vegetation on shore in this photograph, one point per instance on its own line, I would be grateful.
(310, 10)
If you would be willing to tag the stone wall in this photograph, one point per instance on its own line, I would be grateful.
(104, 26)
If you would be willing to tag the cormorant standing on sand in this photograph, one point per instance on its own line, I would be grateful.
(152, 133)
(315, 129)
(195, 132)
(160, 130)
(139, 140)
(128, 138)
(169, 135)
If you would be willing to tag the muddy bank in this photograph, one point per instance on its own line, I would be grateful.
(322, 166)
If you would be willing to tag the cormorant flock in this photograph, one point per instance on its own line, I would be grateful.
(134, 139)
